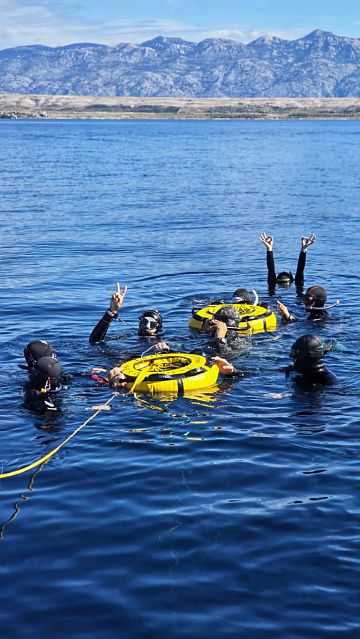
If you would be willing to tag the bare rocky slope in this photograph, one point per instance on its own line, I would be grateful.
(318, 65)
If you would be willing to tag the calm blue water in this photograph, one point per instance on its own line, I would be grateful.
(232, 515)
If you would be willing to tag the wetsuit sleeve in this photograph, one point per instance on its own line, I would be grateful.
(222, 345)
(271, 278)
(299, 276)
(101, 328)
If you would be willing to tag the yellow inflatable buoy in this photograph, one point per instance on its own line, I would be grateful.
(254, 319)
(174, 373)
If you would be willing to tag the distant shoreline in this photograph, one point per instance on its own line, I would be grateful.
(15, 105)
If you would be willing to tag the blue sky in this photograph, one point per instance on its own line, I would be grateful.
(59, 22)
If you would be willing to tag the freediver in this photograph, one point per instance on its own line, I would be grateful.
(150, 321)
(314, 300)
(116, 378)
(285, 278)
(224, 338)
(309, 369)
(45, 379)
(34, 350)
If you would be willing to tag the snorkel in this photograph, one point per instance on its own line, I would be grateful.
(242, 296)
(322, 308)
(314, 299)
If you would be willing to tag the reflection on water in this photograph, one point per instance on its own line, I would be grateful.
(24, 496)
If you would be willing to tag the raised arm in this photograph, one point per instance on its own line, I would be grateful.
(299, 276)
(101, 328)
(268, 241)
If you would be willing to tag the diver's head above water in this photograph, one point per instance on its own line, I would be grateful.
(285, 278)
(308, 353)
(46, 374)
(226, 317)
(150, 323)
(314, 298)
(229, 315)
(37, 349)
(242, 296)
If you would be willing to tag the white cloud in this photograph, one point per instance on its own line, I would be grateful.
(138, 30)
(23, 23)
(246, 35)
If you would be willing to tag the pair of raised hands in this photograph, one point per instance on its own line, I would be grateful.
(268, 240)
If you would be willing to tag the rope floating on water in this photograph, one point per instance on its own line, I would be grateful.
(43, 460)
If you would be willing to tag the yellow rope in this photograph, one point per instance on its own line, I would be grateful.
(141, 376)
(53, 452)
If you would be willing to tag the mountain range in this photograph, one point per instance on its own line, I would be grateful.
(320, 64)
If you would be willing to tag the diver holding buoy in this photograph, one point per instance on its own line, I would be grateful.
(169, 372)
(285, 278)
(150, 325)
(247, 318)
(309, 369)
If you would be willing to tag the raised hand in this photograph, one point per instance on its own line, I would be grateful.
(268, 240)
(307, 241)
(117, 298)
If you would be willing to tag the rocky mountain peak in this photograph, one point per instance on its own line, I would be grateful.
(321, 64)
(161, 42)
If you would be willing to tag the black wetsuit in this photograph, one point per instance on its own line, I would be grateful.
(314, 316)
(299, 275)
(309, 374)
(134, 346)
(101, 328)
(317, 315)
(42, 403)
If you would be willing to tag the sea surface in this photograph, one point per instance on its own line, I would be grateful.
(226, 515)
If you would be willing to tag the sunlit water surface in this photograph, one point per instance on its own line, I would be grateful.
(234, 514)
